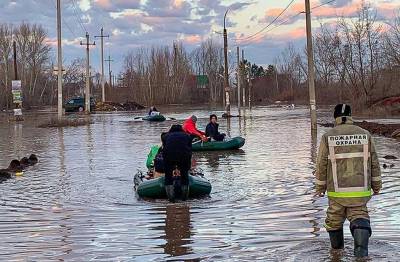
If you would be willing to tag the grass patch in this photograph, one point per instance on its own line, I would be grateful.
(65, 122)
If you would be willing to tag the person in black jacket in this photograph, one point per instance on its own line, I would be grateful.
(177, 155)
(212, 129)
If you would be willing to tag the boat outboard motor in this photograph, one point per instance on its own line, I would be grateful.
(361, 230)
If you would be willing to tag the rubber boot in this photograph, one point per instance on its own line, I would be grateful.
(170, 190)
(337, 240)
(361, 237)
(185, 192)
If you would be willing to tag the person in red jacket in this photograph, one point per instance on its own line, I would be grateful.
(189, 126)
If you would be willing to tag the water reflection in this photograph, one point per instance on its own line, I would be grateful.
(178, 230)
(261, 206)
(228, 126)
(18, 140)
(214, 158)
(90, 148)
(314, 146)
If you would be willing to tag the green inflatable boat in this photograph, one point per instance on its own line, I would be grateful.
(229, 144)
(154, 188)
(154, 118)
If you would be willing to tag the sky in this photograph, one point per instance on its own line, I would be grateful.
(132, 24)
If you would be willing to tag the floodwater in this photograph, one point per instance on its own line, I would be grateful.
(78, 202)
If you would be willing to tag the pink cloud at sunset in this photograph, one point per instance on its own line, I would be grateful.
(192, 39)
(292, 34)
(117, 5)
(350, 9)
(106, 4)
(52, 41)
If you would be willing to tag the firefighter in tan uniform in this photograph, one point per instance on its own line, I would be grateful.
(348, 169)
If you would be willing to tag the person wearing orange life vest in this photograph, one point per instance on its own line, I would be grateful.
(189, 126)
(348, 168)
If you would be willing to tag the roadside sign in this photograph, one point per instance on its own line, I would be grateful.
(55, 71)
(18, 112)
(17, 97)
(16, 89)
(16, 85)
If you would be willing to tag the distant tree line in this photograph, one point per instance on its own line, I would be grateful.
(33, 56)
(356, 60)
(158, 74)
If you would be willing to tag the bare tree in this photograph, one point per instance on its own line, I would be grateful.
(5, 55)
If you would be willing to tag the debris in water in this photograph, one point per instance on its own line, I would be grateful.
(390, 157)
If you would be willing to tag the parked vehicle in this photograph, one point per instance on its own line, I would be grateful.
(77, 104)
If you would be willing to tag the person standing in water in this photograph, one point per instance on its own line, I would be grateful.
(177, 155)
(348, 168)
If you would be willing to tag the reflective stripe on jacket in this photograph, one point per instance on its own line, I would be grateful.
(348, 165)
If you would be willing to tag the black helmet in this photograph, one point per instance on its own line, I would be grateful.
(342, 110)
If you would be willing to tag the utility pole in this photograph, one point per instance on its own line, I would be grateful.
(17, 94)
(109, 68)
(15, 60)
(276, 79)
(311, 71)
(87, 88)
(239, 77)
(103, 92)
(244, 86)
(226, 78)
(59, 64)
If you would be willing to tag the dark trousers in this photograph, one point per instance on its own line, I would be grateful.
(219, 137)
(183, 166)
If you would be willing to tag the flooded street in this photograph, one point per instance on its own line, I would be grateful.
(78, 202)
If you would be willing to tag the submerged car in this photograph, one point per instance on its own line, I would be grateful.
(77, 104)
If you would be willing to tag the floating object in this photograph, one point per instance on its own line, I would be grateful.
(390, 157)
(229, 144)
(387, 166)
(154, 118)
(5, 174)
(155, 188)
(19, 173)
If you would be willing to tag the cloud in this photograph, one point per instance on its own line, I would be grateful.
(339, 8)
(192, 39)
(137, 23)
(168, 8)
(117, 5)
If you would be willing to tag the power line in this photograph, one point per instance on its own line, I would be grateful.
(318, 6)
(63, 20)
(273, 21)
(76, 14)
(290, 18)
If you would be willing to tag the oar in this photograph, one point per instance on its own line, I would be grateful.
(198, 141)
(172, 118)
(138, 117)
